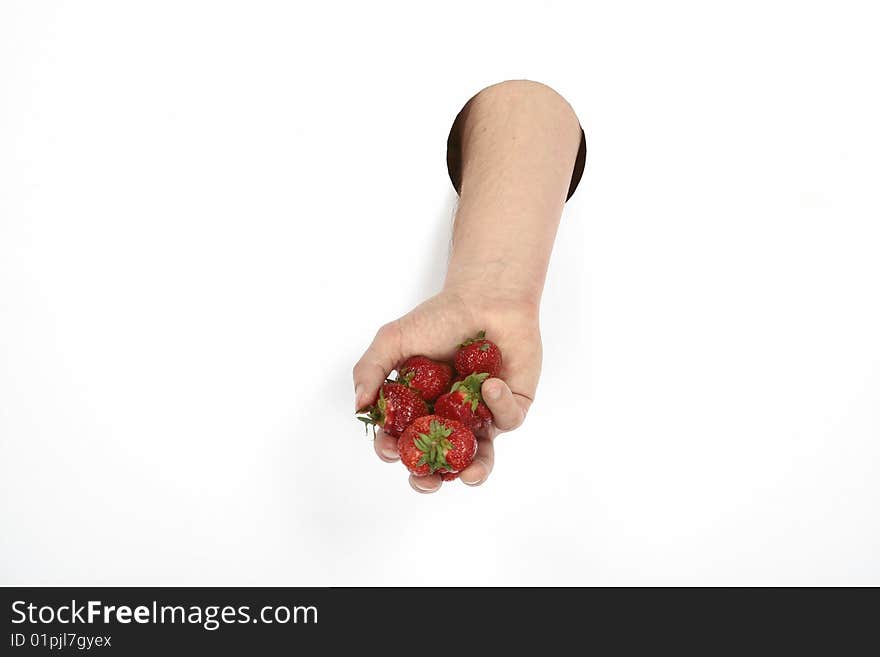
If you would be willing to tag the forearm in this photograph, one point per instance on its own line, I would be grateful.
(519, 143)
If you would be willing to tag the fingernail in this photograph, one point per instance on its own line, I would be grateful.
(421, 486)
(494, 392)
(472, 481)
(390, 454)
(359, 389)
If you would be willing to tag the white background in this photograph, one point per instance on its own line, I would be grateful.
(201, 206)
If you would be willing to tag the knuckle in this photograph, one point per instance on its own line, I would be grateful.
(395, 333)
(357, 370)
(386, 332)
(387, 344)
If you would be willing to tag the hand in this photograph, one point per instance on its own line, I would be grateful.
(434, 329)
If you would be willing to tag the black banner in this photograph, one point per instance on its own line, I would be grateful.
(150, 621)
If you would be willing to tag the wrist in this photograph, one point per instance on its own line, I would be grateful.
(500, 253)
(489, 284)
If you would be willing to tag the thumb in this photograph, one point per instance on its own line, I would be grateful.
(508, 408)
(377, 362)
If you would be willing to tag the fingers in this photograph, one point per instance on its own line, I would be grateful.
(376, 363)
(386, 447)
(508, 409)
(473, 475)
(426, 484)
(478, 471)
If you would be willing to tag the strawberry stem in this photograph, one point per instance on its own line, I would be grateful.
(434, 446)
(373, 416)
(480, 336)
(471, 388)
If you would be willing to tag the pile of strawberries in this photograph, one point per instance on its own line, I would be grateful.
(434, 411)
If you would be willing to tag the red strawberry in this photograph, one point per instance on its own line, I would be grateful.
(436, 444)
(465, 403)
(478, 355)
(449, 476)
(396, 407)
(429, 377)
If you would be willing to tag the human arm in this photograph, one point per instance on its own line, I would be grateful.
(519, 141)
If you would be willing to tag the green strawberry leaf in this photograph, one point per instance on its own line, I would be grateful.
(434, 446)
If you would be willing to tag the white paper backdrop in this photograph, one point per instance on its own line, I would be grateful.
(199, 203)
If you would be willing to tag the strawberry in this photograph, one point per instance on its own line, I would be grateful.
(465, 403)
(449, 476)
(478, 355)
(436, 444)
(396, 407)
(430, 377)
